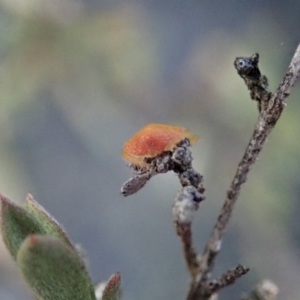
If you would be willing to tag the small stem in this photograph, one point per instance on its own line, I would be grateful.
(190, 255)
(186, 204)
(229, 278)
(247, 68)
(266, 122)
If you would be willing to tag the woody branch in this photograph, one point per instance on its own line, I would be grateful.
(270, 112)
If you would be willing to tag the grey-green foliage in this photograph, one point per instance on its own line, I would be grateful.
(49, 262)
(16, 225)
(50, 225)
(53, 270)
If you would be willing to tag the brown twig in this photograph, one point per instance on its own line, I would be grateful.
(184, 209)
(186, 204)
(226, 279)
(247, 68)
(266, 122)
(190, 255)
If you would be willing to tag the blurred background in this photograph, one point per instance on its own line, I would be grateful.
(79, 77)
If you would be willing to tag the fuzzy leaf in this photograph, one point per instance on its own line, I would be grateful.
(16, 225)
(49, 224)
(112, 288)
(53, 270)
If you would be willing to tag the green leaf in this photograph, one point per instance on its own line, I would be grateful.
(112, 288)
(16, 225)
(53, 270)
(49, 224)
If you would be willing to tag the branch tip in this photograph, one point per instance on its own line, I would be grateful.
(270, 107)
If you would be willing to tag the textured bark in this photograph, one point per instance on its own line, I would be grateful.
(271, 107)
